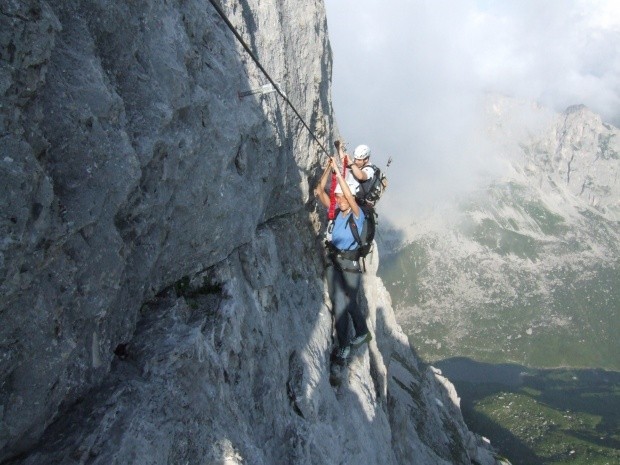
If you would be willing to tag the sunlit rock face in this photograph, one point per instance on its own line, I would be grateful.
(583, 153)
(161, 277)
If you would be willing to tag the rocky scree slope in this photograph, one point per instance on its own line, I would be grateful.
(162, 294)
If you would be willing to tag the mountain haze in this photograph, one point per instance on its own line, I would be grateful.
(160, 272)
(527, 268)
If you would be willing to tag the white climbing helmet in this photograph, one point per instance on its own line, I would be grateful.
(361, 152)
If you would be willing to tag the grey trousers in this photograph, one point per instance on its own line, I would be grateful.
(343, 287)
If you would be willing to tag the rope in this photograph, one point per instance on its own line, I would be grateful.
(275, 85)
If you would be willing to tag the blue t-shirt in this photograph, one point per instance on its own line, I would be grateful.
(342, 236)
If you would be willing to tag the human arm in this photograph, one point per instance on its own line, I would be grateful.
(360, 174)
(346, 191)
(344, 157)
(319, 191)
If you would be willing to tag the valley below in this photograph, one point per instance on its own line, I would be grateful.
(541, 416)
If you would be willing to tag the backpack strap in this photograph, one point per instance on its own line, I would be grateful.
(358, 239)
(354, 230)
(366, 185)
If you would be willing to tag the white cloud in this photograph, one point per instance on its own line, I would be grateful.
(601, 14)
(408, 75)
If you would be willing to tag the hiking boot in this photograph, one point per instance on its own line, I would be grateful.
(341, 355)
(361, 339)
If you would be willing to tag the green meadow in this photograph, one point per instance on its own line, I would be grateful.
(541, 417)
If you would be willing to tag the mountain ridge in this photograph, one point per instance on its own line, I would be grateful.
(536, 251)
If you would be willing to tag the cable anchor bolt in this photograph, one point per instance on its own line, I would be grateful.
(262, 90)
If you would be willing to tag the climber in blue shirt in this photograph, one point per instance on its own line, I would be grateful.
(343, 271)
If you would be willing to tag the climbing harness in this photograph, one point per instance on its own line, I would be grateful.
(273, 83)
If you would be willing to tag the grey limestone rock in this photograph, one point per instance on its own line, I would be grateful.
(162, 294)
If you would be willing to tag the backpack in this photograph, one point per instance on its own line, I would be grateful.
(364, 237)
(371, 189)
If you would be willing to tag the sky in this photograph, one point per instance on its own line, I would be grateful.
(408, 76)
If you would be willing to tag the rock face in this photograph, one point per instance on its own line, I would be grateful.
(162, 293)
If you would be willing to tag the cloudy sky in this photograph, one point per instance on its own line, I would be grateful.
(408, 75)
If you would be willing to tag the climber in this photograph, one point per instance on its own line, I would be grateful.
(360, 169)
(343, 270)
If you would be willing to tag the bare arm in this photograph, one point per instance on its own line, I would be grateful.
(359, 174)
(319, 191)
(357, 171)
(346, 191)
(342, 153)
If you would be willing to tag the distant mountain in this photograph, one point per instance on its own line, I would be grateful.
(528, 268)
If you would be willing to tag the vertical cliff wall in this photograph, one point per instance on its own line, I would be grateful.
(162, 293)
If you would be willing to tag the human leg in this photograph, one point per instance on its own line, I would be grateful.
(353, 283)
(337, 291)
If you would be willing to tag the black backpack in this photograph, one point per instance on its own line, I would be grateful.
(364, 237)
(370, 191)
